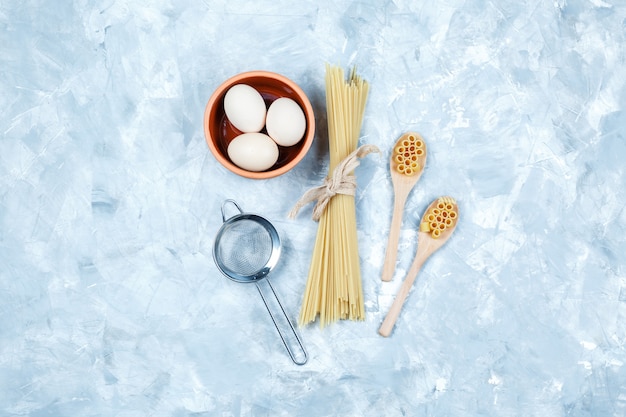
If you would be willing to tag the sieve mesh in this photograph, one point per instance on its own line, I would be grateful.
(244, 247)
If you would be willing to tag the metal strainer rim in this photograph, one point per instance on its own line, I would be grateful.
(274, 253)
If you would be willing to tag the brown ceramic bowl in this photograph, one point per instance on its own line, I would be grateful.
(219, 132)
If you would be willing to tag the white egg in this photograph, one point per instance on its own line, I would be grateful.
(285, 122)
(245, 108)
(253, 151)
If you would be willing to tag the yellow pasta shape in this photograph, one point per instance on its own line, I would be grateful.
(440, 217)
(407, 152)
(449, 200)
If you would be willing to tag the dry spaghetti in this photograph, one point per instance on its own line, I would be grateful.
(333, 290)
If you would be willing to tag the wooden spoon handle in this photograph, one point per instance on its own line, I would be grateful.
(390, 320)
(394, 236)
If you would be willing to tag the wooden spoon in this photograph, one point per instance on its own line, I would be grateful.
(407, 162)
(437, 225)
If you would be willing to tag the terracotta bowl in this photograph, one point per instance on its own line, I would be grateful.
(219, 132)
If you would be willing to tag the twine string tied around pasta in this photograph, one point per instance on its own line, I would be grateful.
(342, 181)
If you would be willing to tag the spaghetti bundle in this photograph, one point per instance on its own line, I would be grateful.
(333, 288)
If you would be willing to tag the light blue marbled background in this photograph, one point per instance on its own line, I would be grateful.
(111, 305)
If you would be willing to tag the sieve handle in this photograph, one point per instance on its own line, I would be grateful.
(285, 328)
(233, 202)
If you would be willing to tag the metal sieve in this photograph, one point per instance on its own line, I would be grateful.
(246, 249)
